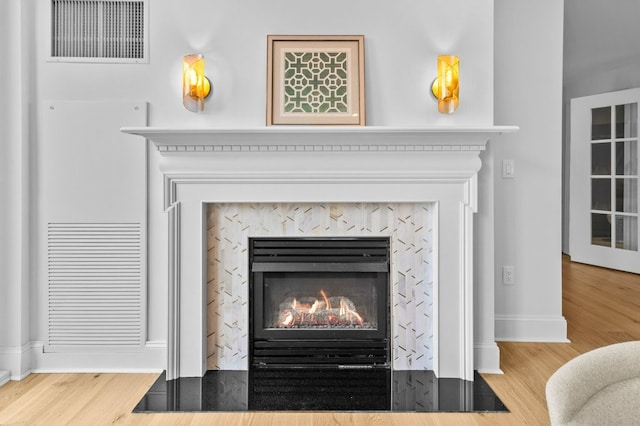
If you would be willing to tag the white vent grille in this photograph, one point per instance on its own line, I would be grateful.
(95, 285)
(107, 31)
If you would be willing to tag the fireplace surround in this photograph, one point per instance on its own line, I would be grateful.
(409, 226)
(436, 165)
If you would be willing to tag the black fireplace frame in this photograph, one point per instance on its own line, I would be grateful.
(333, 347)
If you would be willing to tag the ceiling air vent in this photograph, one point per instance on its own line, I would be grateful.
(99, 31)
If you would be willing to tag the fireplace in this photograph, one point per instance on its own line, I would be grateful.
(300, 164)
(319, 302)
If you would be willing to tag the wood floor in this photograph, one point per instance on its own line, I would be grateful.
(601, 307)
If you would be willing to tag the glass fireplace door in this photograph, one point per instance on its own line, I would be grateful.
(321, 303)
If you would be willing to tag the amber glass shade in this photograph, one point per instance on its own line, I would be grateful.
(195, 85)
(446, 86)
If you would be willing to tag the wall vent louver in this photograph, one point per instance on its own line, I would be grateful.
(95, 288)
(98, 31)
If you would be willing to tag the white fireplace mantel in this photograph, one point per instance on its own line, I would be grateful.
(300, 164)
(321, 138)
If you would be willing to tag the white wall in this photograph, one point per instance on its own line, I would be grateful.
(528, 82)
(15, 104)
(7, 136)
(619, 76)
(403, 39)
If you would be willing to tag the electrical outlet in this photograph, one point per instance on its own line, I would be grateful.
(508, 275)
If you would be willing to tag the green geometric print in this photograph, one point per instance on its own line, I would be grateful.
(315, 82)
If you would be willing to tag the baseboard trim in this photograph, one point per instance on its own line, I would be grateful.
(97, 370)
(16, 360)
(516, 328)
(152, 359)
(486, 357)
(5, 376)
(31, 358)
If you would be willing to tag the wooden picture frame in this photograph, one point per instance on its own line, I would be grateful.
(315, 80)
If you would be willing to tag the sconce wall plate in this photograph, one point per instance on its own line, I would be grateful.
(446, 86)
(196, 87)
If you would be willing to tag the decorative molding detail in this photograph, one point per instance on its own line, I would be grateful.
(196, 192)
(466, 287)
(172, 181)
(314, 148)
(173, 332)
(320, 138)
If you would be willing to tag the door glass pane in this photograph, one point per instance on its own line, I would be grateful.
(627, 195)
(627, 232)
(626, 158)
(601, 194)
(600, 123)
(601, 159)
(600, 229)
(627, 121)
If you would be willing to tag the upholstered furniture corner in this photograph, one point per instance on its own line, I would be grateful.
(600, 387)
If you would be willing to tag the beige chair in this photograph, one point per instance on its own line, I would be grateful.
(600, 387)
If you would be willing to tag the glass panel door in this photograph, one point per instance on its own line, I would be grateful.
(614, 176)
(604, 180)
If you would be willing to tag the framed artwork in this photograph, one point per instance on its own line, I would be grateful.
(315, 80)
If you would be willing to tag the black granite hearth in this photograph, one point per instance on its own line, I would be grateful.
(309, 389)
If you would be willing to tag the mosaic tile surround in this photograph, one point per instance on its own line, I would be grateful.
(409, 225)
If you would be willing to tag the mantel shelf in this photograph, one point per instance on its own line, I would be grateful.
(313, 138)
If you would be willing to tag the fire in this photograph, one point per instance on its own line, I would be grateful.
(326, 299)
(349, 313)
(314, 307)
(288, 319)
(319, 312)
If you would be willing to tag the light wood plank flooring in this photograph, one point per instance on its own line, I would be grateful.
(601, 307)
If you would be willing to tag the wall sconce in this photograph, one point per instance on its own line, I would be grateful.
(445, 87)
(195, 85)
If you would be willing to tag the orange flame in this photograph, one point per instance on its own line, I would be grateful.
(326, 300)
(318, 313)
